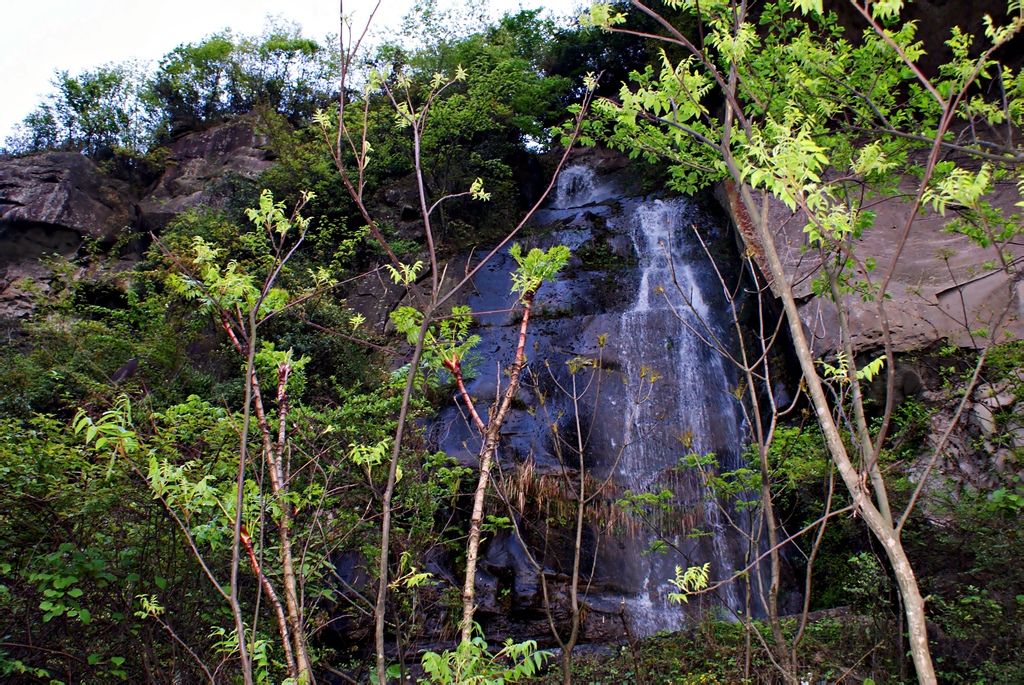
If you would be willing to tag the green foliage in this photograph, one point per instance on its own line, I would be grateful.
(97, 111)
(89, 327)
(972, 611)
(269, 360)
(479, 101)
(193, 80)
(101, 520)
(198, 84)
(1005, 363)
(840, 372)
(405, 274)
(536, 267)
(447, 344)
(970, 570)
(644, 503)
(91, 554)
(866, 585)
(506, 92)
(229, 287)
(472, 663)
(79, 540)
(798, 457)
(112, 432)
(156, 471)
(796, 77)
(689, 582)
(302, 163)
(124, 109)
(733, 487)
(714, 652)
(260, 650)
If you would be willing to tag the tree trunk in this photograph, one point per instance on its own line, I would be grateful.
(389, 491)
(473, 545)
(487, 452)
(912, 600)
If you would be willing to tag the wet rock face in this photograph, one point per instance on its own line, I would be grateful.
(623, 314)
(60, 193)
(199, 167)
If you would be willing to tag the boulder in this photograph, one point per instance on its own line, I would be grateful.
(49, 204)
(63, 193)
(944, 286)
(199, 170)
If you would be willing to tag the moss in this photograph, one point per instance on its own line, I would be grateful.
(597, 255)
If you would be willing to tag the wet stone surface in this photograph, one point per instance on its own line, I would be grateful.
(633, 314)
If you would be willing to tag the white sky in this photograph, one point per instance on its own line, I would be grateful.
(41, 36)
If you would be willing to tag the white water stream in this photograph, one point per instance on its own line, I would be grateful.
(688, 407)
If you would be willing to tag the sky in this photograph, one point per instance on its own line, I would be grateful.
(44, 36)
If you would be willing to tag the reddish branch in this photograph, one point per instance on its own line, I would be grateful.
(455, 367)
(282, 623)
(290, 625)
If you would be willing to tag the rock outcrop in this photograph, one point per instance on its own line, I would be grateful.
(61, 191)
(944, 286)
(51, 202)
(199, 168)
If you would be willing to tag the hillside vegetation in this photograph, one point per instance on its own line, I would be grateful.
(212, 422)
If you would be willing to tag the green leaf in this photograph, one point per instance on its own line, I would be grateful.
(886, 9)
(64, 581)
(870, 370)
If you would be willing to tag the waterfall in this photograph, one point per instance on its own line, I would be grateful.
(575, 187)
(690, 407)
(645, 298)
(579, 187)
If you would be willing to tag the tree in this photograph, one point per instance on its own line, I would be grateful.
(286, 72)
(818, 123)
(506, 104)
(96, 111)
(346, 133)
(199, 84)
(196, 83)
(241, 304)
(534, 268)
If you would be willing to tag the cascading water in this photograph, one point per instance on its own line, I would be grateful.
(681, 401)
(578, 187)
(649, 314)
(575, 187)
